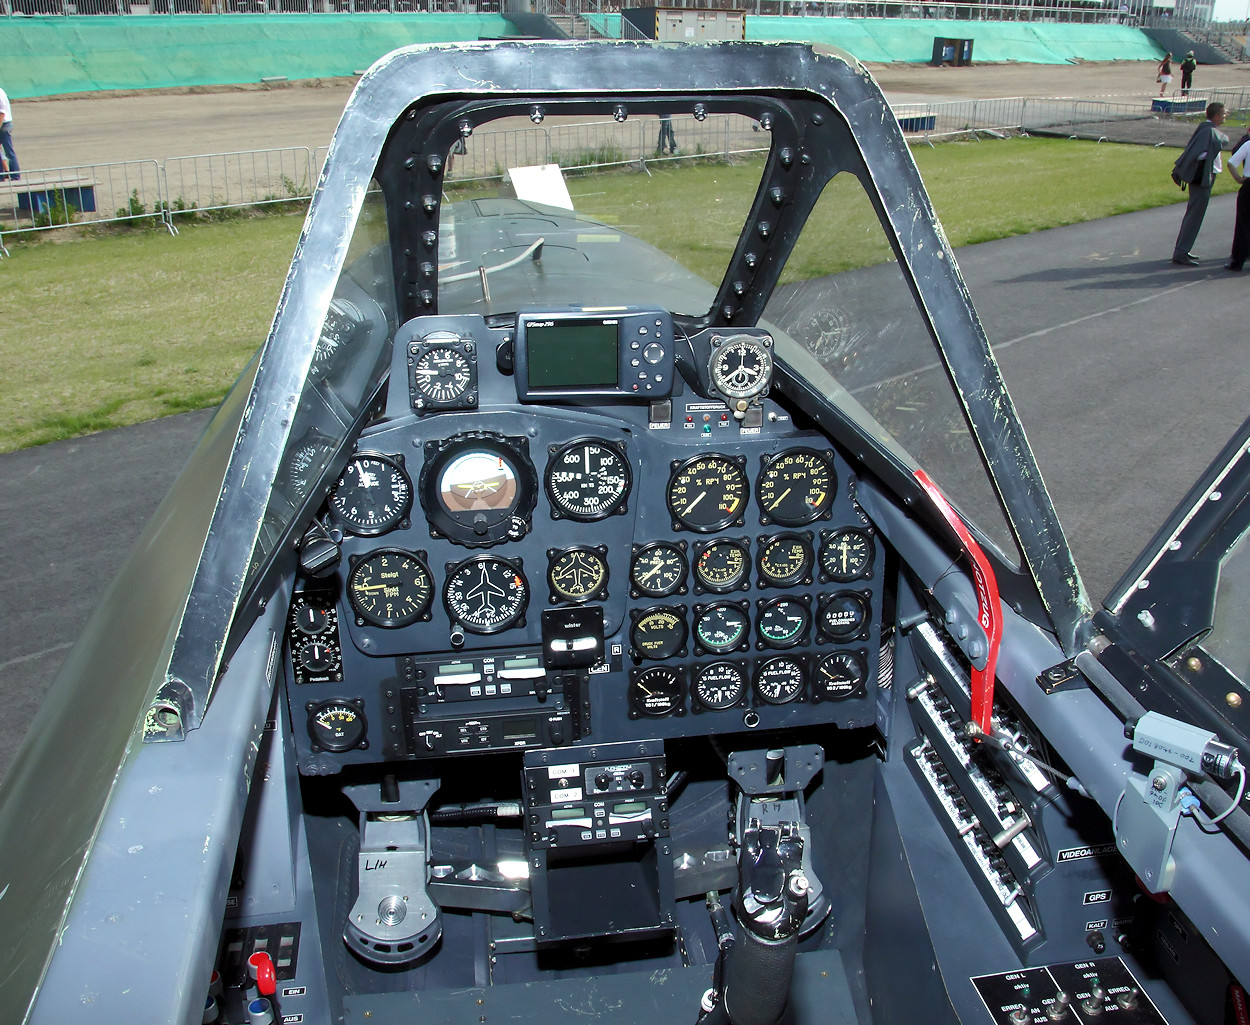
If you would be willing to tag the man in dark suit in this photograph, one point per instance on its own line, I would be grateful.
(1197, 166)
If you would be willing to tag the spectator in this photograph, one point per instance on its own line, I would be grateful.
(6, 138)
(1197, 166)
(1188, 65)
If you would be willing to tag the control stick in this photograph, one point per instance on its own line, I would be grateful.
(771, 905)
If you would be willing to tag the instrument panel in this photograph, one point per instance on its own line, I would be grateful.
(514, 574)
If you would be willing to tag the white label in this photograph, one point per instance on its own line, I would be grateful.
(563, 771)
(571, 794)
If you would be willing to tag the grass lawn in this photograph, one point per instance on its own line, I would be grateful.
(115, 329)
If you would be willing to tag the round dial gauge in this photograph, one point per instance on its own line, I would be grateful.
(720, 685)
(839, 675)
(442, 374)
(577, 574)
(658, 569)
(306, 462)
(707, 492)
(478, 489)
(337, 726)
(389, 588)
(318, 657)
(311, 619)
(372, 496)
(721, 627)
(742, 366)
(486, 595)
(779, 680)
(843, 615)
(655, 692)
(782, 622)
(846, 554)
(588, 480)
(343, 319)
(722, 566)
(785, 559)
(659, 632)
(796, 487)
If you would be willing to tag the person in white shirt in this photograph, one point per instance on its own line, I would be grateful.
(6, 138)
(1241, 228)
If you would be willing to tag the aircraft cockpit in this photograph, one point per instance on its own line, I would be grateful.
(624, 592)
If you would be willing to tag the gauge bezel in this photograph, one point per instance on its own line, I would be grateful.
(448, 341)
(510, 525)
(600, 591)
(740, 583)
(363, 615)
(677, 679)
(699, 703)
(735, 466)
(516, 618)
(864, 599)
(398, 517)
(762, 667)
(860, 659)
(742, 644)
(722, 344)
(822, 511)
(674, 649)
(678, 548)
(762, 608)
(827, 537)
(802, 576)
(338, 747)
(618, 506)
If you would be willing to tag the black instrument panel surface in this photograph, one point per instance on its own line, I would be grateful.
(704, 543)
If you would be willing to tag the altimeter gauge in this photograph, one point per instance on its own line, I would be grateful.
(442, 372)
(389, 588)
(486, 595)
(373, 494)
(577, 574)
(741, 366)
(588, 479)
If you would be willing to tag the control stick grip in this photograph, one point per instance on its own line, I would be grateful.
(757, 978)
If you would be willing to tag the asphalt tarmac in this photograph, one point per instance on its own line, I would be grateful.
(1129, 373)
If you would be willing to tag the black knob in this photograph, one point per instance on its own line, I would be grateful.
(603, 781)
(637, 779)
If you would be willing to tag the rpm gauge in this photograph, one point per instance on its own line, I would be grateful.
(720, 685)
(588, 480)
(486, 595)
(577, 574)
(658, 569)
(707, 492)
(389, 588)
(796, 487)
(372, 495)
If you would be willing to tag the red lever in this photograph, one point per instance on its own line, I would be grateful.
(989, 614)
(260, 968)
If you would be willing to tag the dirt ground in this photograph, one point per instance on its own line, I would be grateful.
(107, 127)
